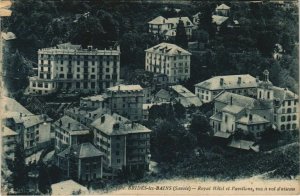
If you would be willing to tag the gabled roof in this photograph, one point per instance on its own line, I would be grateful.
(256, 119)
(242, 101)
(241, 144)
(229, 82)
(222, 7)
(219, 19)
(168, 49)
(182, 91)
(163, 94)
(216, 116)
(123, 87)
(84, 150)
(157, 20)
(8, 36)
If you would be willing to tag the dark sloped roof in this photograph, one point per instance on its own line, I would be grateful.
(84, 150)
(163, 94)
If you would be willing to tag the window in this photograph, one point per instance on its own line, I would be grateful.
(289, 102)
(118, 145)
(93, 84)
(226, 118)
(107, 76)
(107, 70)
(295, 109)
(78, 76)
(61, 62)
(283, 111)
(77, 84)
(118, 160)
(61, 69)
(78, 62)
(288, 126)
(289, 110)
(282, 118)
(46, 85)
(93, 69)
(268, 95)
(93, 76)
(117, 153)
(289, 118)
(78, 69)
(282, 127)
(294, 126)
(294, 117)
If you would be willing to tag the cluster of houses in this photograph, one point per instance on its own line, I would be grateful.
(104, 134)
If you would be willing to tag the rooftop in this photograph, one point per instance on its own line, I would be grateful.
(217, 116)
(233, 109)
(8, 36)
(67, 187)
(219, 19)
(168, 49)
(222, 7)
(95, 98)
(283, 93)
(241, 144)
(222, 134)
(161, 20)
(163, 94)
(117, 125)
(229, 82)
(242, 101)
(123, 87)
(5, 131)
(84, 150)
(31, 120)
(11, 108)
(256, 119)
(69, 124)
(71, 49)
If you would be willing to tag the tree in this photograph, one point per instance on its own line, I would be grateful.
(43, 180)
(200, 127)
(20, 173)
(179, 110)
(206, 21)
(201, 36)
(181, 37)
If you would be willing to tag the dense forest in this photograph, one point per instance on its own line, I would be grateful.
(248, 49)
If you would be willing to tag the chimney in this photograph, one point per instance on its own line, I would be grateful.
(102, 119)
(119, 87)
(239, 80)
(20, 114)
(132, 124)
(250, 117)
(231, 100)
(60, 123)
(90, 115)
(285, 91)
(69, 125)
(221, 81)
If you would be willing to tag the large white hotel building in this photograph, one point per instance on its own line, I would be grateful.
(69, 67)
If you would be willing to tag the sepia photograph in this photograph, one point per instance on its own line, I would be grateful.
(149, 97)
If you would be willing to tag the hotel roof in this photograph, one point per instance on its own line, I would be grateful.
(229, 82)
(123, 87)
(168, 49)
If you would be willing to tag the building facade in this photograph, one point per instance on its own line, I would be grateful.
(69, 132)
(68, 67)
(126, 100)
(124, 143)
(9, 141)
(169, 59)
(81, 162)
(240, 84)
